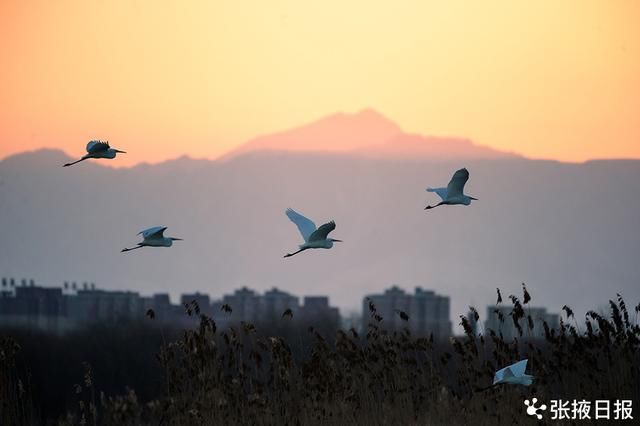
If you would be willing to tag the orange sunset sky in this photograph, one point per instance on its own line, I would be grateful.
(553, 79)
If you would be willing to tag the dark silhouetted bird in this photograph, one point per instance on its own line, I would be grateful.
(98, 149)
(499, 297)
(151, 314)
(287, 313)
(226, 308)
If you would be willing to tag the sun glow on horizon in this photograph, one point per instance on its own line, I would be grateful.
(557, 80)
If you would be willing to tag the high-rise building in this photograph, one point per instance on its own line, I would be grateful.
(316, 309)
(274, 302)
(201, 299)
(431, 314)
(245, 304)
(428, 312)
(102, 305)
(34, 307)
(70, 306)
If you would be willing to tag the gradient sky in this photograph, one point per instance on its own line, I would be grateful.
(548, 79)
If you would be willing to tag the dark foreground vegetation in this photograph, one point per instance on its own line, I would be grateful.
(287, 374)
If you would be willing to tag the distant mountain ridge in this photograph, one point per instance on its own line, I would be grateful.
(366, 133)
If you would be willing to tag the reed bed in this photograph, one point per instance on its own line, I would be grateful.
(240, 376)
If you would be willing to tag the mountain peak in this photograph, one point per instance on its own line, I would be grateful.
(365, 132)
(339, 132)
(366, 115)
(366, 120)
(371, 114)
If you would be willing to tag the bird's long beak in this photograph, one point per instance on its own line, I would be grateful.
(336, 241)
(473, 198)
(176, 239)
(121, 152)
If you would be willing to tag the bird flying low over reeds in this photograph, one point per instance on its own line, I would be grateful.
(513, 374)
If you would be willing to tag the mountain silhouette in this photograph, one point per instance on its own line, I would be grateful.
(366, 133)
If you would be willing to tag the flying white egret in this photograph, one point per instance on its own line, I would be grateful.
(153, 237)
(452, 194)
(313, 238)
(513, 375)
(98, 149)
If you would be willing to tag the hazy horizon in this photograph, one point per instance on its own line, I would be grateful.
(231, 214)
(289, 135)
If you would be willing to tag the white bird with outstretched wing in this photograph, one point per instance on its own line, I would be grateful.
(454, 192)
(513, 374)
(154, 237)
(313, 238)
(98, 149)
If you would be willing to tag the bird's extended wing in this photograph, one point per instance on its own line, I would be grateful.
(152, 233)
(96, 146)
(516, 369)
(501, 374)
(322, 232)
(456, 184)
(519, 367)
(305, 226)
(442, 192)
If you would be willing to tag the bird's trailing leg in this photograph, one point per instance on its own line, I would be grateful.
(294, 253)
(487, 387)
(129, 249)
(77, 161)
(433, 207)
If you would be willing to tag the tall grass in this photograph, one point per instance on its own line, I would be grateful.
(242, 376)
